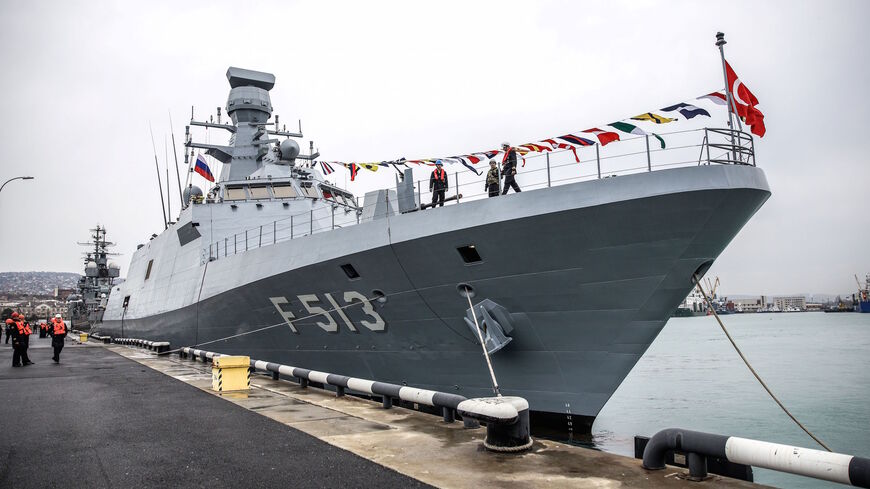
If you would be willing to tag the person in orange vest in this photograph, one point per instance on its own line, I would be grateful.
(438, 184)
(509, 168)
(58, 333)
(20, 341)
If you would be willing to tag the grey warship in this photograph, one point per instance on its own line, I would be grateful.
(86, 307)
(573, 282)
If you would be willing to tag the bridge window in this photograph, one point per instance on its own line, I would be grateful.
(284, 191)
(259, 192)
(235, 193)
(310, 191)
(148, 272)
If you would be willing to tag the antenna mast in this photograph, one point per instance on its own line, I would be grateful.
(159, 182)
(175, 155)
(168, 197)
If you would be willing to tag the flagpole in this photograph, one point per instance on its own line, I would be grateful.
(720, 41)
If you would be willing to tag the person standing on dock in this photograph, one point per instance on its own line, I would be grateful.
(509, 168)
(438, 184)
(58, 333)
(9, 325)
(20, 341)
(493, 179)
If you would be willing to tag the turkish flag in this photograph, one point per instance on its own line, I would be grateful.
(745, 103)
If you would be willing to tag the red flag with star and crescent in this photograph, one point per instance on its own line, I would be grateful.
(745, 103)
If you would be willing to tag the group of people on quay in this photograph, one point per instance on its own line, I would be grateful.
(19, 331)
(438, 183)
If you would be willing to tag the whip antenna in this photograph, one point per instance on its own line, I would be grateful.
(159, 182)
(175, 155)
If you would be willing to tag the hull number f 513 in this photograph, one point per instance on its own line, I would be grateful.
(373, 320)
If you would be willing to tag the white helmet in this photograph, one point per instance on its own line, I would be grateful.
(57, 315)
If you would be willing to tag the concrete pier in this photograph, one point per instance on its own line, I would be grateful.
(99, 420)
(120, 423)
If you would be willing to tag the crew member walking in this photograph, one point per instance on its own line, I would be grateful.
(20, 341)
(509, 168)
(492, 179)
(438, 184)
(58, 333)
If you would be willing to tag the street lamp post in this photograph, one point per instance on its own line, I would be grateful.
(15, 178)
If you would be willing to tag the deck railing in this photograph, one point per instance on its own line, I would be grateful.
(706, 146)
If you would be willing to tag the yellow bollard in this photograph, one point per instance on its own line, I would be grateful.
(230, 373)
(83, 337)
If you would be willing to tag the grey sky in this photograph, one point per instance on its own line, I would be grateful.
(375, 81)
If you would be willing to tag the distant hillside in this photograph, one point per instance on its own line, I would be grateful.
(36, 283)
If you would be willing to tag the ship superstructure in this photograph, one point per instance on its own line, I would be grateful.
(93, 289)
(862, 298)
(572, 282)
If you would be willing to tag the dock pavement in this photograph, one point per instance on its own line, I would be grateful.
(118, 416)
(99, 420)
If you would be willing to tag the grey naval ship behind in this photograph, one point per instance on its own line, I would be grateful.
(86, 306)
(573, 282)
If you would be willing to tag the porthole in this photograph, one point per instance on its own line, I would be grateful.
(350, 271)
(469, 254)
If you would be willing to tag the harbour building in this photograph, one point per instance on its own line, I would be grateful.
(790, 303)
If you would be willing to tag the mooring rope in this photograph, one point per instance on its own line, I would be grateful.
(758, 377)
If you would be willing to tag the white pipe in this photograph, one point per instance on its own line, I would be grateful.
(796, 460)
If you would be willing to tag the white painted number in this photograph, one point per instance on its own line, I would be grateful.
(287, 315)
(309, 301)
(378, 324)
(331, 326)
(338, 310)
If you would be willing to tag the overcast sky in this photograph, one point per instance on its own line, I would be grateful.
(375, 80)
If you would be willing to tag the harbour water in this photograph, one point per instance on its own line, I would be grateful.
(691, 377)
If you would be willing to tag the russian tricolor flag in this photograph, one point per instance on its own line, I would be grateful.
(203, 169)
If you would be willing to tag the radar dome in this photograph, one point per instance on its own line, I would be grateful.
(192, 191)
(289, 150)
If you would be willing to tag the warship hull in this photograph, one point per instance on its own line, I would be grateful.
(590, 273)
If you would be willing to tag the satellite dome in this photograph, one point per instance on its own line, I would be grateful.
(289, 150)
(191, 191)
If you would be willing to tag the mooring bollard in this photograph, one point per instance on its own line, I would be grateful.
(448, 415)
(507, 421)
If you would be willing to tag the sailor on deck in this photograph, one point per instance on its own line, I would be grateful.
(509, 168)
(438, 184)
(492, 179)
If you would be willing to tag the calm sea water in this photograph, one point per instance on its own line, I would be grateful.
(817, 364)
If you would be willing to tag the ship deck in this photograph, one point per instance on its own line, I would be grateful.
(117, 417)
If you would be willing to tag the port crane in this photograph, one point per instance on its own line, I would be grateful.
(712, 285)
